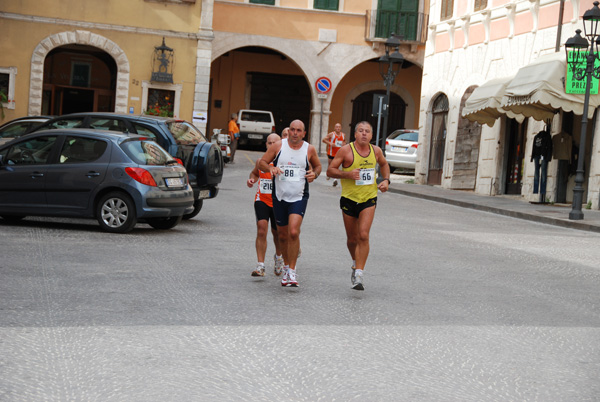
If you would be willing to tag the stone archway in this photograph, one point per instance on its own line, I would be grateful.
(83, 38)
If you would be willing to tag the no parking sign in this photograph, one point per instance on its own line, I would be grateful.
(323, 85)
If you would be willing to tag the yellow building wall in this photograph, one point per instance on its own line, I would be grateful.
(288, 23)
(24, 36)
(183, 17)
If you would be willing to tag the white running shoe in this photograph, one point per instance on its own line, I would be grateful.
(285, 279)
(357, 284)
(292, 278)
(278, 267)
(259, 271)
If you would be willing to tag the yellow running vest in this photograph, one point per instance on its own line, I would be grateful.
(365, 188)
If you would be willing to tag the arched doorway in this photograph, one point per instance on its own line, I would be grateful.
(260, 78)
(362, 110)
(466, 154)
(438, 140)
(78, 78)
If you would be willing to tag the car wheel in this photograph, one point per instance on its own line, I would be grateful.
(196, 211)
(164, 223)
(12, 218)
(116, 213)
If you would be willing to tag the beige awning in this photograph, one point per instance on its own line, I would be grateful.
(484, 104)
(538, 90)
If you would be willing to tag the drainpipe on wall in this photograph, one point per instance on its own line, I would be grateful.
(560, 24)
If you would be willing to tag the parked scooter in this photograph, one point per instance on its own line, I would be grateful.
(223, 141)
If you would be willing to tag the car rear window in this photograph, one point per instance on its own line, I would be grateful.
(185, 133)
(409, 136)
(145, 152)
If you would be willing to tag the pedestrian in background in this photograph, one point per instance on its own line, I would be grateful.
(335, 140)
(263, 210)
(234, 135)
(285, 133)
(295, 165)
(359, 160)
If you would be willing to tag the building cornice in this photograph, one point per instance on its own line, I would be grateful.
(202, 35)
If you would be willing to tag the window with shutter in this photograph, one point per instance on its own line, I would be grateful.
(326, 5)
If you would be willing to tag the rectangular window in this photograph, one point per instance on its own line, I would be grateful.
(269, 2)
(7, 86)
(480, 5)
(80, 74)
(326, 5)
(447, 9)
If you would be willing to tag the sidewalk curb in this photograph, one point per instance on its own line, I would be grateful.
(500, 211)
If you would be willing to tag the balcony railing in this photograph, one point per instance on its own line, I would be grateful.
(411, 26)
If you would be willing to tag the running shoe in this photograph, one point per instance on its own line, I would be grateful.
(277, 268)
(353, 274)
(259, 271)
(358, 281)
(335, 182)
(292, 278)
(285, 279)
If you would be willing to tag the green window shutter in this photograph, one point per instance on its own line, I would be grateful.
(326, 5)
(399, 17)
(269, 2)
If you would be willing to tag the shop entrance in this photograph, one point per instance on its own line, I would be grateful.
(515, 137)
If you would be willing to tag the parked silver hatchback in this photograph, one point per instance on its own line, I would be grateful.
(401, 149)
(118, 179)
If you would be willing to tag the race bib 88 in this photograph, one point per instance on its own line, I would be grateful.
(289, 173)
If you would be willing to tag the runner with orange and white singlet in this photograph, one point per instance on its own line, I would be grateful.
(334, 140)
(263, 210)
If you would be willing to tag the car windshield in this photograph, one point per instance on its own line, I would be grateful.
(185, 133)
(405, 136)
(146, 152)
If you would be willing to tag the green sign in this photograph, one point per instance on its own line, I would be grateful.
(575, 86)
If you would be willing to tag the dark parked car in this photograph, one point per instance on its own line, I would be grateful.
(21, 126)
(202, 159)
(116, 178)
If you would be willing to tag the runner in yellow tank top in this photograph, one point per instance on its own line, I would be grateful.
(359, 193)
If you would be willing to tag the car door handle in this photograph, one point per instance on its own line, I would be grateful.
(36, 174)
(92, 174)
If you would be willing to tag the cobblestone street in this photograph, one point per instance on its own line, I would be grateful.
(460, 305)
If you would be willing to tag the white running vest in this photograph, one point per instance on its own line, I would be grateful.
(291, 184)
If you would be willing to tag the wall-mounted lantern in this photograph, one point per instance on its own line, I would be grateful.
(162, 63)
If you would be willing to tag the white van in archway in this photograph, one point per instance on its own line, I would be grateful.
(255, 126)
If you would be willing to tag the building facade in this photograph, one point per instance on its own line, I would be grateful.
(70, 56)
(221, 55)
(477, 43)
(268, 55)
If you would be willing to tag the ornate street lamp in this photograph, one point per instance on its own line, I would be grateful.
(162, 63)
(581, 56)
(389, 67)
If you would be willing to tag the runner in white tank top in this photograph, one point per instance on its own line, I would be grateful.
(295, 164)
(291, 184)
